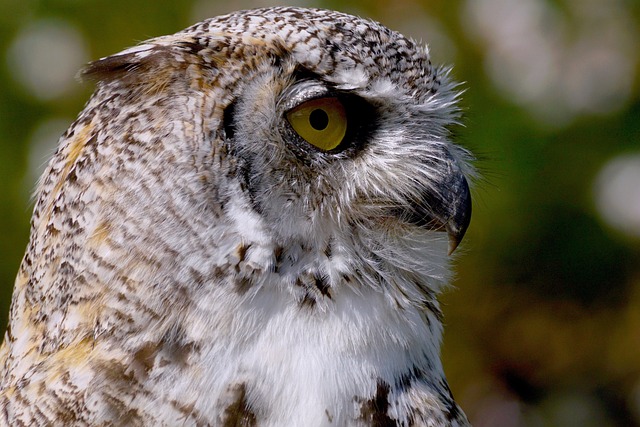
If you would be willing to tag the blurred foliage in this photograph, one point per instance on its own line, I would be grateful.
(544, 326)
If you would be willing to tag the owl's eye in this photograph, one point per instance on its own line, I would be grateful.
(321, 122)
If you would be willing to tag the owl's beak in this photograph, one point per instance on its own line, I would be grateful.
(459, 217)
(447, 209)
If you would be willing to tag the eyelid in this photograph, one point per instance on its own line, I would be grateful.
(303, 91)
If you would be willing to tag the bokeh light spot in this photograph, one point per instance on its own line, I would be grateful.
(45, 57)
(550, 60)
(617, 194)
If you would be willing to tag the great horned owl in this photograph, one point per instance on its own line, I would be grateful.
(247, 225)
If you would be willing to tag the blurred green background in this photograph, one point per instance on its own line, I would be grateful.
(543, 328)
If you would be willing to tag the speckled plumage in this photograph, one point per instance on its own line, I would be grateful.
(193, 262)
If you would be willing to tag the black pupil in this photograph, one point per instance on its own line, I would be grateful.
(318, 119)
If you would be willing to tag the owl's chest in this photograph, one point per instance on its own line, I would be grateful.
(282, 361)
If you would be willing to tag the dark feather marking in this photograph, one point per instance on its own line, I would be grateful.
(328, 251)
(278, 257)
(243, 284)
(431, 306)
(452, 410)
(403, 383)
(117, 401)
(121, 412)
(322, 284)
(198, 278)
(239, 414)
(242, 251)
(374, 411)
(188, 411)
(308, 301)
(329, 417)
(145, 357)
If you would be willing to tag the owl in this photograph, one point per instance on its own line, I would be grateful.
(248, 224)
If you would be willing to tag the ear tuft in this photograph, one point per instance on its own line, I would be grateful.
(122, 65)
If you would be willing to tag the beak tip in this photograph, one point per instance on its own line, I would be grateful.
(454, 241)
(452, 247)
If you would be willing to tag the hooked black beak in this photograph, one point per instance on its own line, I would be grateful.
(447, 207)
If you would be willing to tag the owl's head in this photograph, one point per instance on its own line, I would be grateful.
(324, 123)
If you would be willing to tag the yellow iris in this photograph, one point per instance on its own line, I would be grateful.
(321, 122)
